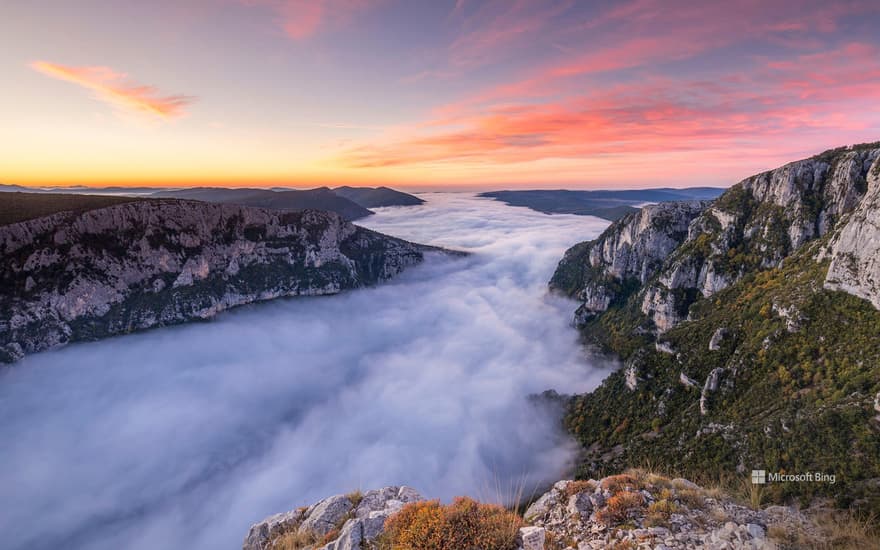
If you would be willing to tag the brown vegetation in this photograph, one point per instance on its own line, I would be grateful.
(463, 524)
(18, 207)
(619, 507)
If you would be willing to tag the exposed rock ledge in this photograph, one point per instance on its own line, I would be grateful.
(351, 522)
(82, 276)
(634, 510)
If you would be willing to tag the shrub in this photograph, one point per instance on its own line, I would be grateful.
(355, 498)
(659, 512)
(418, 525)
(621, 482)
(576, 487)
(619, 507)
(463, 524)
(295, 540)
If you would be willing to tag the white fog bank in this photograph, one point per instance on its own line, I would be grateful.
(182, 437)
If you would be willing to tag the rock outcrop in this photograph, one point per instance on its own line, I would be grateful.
(855, 249)
(672, 254)
(350, 522)
(627, 254)
(756, 334)
(650, 511)
(86, 275)
(636, 509)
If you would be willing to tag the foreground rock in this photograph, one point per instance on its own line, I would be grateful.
(87, 275)
(633, 510)
(649, 511)
(341, 522)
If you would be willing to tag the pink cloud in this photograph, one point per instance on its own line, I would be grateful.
(301, 19)
(780, 103)
(113, 88)
(495, 27)
(640, 34)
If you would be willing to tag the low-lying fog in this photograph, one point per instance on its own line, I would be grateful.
(182, 437)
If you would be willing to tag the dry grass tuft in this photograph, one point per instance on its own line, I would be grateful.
(558, 542)
(692, 498)
(294, 540)
(752, 494)
(463, 524)
(619, 507)
(356, 497)
(846, 530)
(576, 487)
(659, 512)
(621, 482)
(719, 515)
(829, 530)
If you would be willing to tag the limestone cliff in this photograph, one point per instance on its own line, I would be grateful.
(750, 344)
(855, 249)
(86, 275)
(626, 255)
(671, 254)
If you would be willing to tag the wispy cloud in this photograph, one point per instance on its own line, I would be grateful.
(117, 90)
(777, 104)
(646, 81)
(346, 126)
(495, 29)
(301, 19)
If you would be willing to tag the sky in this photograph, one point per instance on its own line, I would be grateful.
(439, 94)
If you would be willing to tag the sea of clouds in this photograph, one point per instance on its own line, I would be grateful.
(184, 436)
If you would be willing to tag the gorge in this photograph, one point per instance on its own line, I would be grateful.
(184, 436)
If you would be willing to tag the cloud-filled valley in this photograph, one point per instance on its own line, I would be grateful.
(181, 437)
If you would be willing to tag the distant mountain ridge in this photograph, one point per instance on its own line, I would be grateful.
(79, 189)
(377, 197)
(321, 198)
(607, 204)
(16, 206)
(351, 203)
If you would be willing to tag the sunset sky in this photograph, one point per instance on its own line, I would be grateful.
(430, 94)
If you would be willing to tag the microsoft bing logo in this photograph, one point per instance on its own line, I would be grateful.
(759, 477)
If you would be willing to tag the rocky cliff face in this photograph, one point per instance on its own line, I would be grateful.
(625, 256)
(81, 276)
(739, 350)
(855, 249)
(679, 252)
